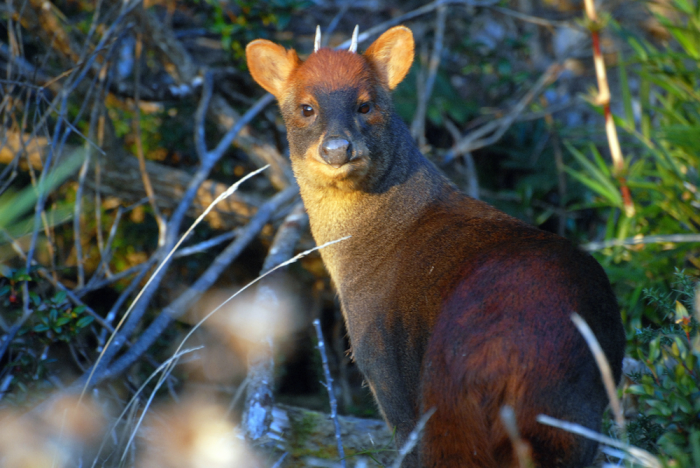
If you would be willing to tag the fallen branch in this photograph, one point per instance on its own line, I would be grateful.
(123, 181)
(257, 414)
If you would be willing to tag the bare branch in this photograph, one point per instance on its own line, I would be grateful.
(184, 301)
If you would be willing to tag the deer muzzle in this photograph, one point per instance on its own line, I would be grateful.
(336, 152)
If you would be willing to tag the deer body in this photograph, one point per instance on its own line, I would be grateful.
(449, 303)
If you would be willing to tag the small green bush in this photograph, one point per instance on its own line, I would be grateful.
(52, 321)
(668, 392)
(659, 126)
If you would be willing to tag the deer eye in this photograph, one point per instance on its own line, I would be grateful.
(306, 110)
(364, 108)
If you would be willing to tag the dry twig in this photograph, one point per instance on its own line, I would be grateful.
(418, 124)
(329, 389)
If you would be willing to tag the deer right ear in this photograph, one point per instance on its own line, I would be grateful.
(392, 53)
(270, 64)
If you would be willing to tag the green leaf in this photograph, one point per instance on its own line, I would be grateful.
(34, 297)
(626, 95)
(661, 407)
(85, 321)
(613, 197)
(59, 297)
(597, 175)
(638, 390)
(62, 321)
(5, 271)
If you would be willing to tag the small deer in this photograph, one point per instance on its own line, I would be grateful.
(449, 303)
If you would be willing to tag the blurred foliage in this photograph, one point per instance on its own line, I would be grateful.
(669, 392)
(661, 121)
(241, 21)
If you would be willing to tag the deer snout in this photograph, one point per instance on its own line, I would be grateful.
(336, 152)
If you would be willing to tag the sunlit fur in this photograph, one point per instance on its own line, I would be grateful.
(449, 303)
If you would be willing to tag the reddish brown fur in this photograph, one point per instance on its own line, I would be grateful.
(327, 71)
(449, 303)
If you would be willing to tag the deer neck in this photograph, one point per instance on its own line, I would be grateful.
(377, 218)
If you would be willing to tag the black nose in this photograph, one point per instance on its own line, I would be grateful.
(336, 151)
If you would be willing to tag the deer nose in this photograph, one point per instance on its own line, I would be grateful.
(336, 152)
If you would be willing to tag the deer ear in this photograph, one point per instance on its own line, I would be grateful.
(270, 65)
(392, 53)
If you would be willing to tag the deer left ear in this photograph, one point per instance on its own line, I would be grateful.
(270, 65)
(392, 53)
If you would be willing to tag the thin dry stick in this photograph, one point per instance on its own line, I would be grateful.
(329, 388)
(533, 19)
(413, 438)
(660, 239)
(207, 244)
(604, 367)
(106, 250)
(603, 99)
(148, 187)
(472, 188)
(228, 192)
(78, 210)
(478, 139)
(639, 455)
(522, 449)
(166, 368)
(418, 124)
(284, 455)
(77, 217)
(334, 23)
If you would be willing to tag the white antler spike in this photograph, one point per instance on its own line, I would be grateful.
(317, 40)
(353, 43)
